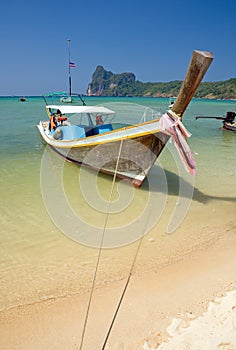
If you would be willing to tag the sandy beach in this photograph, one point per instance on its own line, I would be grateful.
(46, 276)
(179, 290)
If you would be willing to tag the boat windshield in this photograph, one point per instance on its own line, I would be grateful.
(133, 113)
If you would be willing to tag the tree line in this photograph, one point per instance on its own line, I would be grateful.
(105, 83)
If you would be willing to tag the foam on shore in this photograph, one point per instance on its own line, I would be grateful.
(215, 329)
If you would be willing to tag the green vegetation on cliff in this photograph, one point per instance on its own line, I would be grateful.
(106, 83)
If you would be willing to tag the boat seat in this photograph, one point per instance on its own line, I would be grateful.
(100, 129)
(89, 130)
(72, 132)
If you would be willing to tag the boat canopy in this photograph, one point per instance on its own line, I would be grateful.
(58, 93)
(81, 109)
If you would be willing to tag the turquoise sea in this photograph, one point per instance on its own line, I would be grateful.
(39, 262)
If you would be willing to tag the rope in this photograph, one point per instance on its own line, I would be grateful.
(123, 293)
(125, 287)
(100, 249)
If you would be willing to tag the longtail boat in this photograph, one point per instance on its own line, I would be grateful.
(229, 122)
(128, 151)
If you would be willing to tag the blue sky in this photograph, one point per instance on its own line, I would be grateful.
(153, 39)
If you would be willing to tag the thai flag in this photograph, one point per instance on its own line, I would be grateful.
(72, 64)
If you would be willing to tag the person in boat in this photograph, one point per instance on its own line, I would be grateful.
(99, 120)
(53, 122)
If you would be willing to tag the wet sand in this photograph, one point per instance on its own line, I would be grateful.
(180, 289)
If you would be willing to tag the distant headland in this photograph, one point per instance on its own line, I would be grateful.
(106, 83)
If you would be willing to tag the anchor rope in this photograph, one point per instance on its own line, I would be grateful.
(100, 249)
(124, 291)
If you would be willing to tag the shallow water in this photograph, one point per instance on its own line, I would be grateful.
(40, 259)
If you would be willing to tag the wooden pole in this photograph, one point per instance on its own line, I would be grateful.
(198, 66)
(68, 42)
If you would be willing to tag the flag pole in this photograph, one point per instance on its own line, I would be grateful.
(68, 42)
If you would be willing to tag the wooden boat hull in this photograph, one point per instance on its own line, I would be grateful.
(127, 158)
(229, 126)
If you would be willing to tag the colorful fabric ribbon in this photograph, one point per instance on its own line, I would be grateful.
(171, 124)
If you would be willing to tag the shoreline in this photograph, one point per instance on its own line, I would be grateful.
(153, 299)
(134, 96)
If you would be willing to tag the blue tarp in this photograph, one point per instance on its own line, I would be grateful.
(72, 132)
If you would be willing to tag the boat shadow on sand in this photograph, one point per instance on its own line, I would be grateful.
(173, 183)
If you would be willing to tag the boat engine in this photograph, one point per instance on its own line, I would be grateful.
(229, 118)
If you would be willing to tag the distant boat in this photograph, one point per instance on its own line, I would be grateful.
(229, 122)
(68, 97)
(171, 103)
(22, 99)
(229, 126)
(60, 96)
(126, 151)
